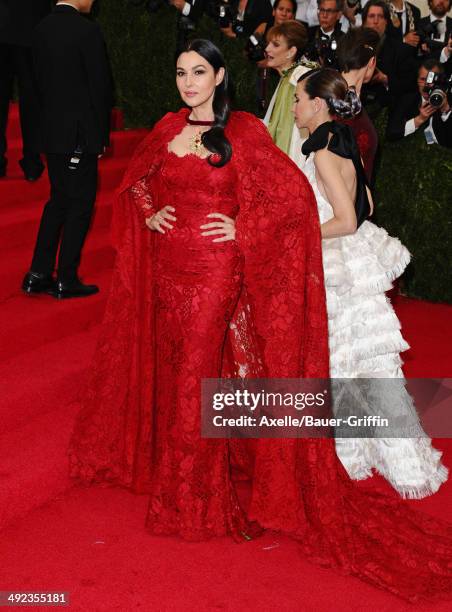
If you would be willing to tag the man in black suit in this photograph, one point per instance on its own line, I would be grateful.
(17, 21)
(405, 19)
(74, 81)
(396, 66)
(329, 29)
(413, 111)
(438, 29)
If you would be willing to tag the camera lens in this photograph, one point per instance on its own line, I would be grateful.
(437, 98)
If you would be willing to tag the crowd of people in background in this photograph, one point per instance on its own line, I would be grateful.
(404, 64)
(414, 56)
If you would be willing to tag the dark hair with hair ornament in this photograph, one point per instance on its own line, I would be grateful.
(356, 48)
(214, 139)
(330, 85)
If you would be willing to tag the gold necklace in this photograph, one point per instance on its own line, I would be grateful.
(195, 144)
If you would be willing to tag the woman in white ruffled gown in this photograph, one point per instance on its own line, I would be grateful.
(360, 263)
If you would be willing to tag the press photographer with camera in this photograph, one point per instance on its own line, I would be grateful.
(308, 13)
(429, 108)
(323, 38)
(241, 17)
(437, 30)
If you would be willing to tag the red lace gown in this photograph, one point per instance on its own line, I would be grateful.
(167, 325)
(196, 292)
(366, 138)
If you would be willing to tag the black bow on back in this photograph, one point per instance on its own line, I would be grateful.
(342, 143)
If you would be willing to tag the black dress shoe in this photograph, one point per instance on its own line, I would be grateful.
(72, 289)
(32, 170)
(36, 282)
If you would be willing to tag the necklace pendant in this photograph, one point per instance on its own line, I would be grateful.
(196, 145)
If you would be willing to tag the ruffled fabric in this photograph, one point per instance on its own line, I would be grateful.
(365, 343)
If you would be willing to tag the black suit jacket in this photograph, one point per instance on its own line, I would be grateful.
(435, 51)
(396, 60)
(18, 18)
(314, 34)
(406, 108)
(74, 82)
(398, 31)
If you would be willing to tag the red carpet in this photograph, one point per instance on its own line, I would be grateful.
(91, 542)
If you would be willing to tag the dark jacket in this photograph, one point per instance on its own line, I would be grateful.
(74, 82)
(406, 108)
(18, 18)
(397, 62)
(416, 18)
(437, 46)
(314, 41)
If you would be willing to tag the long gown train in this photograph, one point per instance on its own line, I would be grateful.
(173, 317)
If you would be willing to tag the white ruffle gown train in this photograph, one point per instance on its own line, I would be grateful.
(365, 343)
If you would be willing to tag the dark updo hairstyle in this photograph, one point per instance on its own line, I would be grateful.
(294, 32)
(329, 85)
(214, 139)
(356, 48)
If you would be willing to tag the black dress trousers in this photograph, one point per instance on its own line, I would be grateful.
(66, 215)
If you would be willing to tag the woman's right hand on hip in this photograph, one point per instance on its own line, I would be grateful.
(160, 219)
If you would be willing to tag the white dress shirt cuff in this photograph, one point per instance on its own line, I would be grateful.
(186, 10)
(444, 56)
(410, 127)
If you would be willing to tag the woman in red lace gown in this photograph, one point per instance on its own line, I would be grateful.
(243, 296)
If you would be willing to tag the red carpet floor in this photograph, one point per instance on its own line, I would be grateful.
(91, 542)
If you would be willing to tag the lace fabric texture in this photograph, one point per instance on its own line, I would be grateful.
(182, 308)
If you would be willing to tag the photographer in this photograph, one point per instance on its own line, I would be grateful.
(308, 13)
(243, 17)
(437, 28)
(422, 109)
(323, 38)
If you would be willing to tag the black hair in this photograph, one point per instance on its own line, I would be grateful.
(292, 2)
(214, 139)
(329, 85)
(430, 64)
(356, 48)
(381, 4)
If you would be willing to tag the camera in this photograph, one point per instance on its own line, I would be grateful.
(438, 86)
(326, 47)
(355, 3)
(426, 35)
(255, 48)
(223, 13)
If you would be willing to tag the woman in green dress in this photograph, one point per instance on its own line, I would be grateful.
(286, 43)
